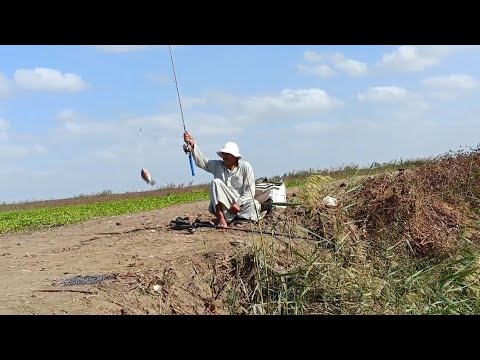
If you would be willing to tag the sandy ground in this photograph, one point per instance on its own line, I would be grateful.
(156, 270)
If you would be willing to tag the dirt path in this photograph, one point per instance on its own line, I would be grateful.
(141, 249)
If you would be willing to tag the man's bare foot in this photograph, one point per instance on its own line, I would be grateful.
(221, 223)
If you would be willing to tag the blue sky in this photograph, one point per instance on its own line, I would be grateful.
(84, 119)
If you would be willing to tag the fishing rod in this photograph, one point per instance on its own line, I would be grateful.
(186, 147)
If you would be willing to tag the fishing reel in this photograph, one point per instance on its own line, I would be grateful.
(187, 148)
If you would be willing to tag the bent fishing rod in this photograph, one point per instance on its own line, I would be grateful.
(186, 147)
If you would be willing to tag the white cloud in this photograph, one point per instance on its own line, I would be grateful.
(3, 84)
(4, 125)
(42, 172)
(350, 66)
(128, 125)
(418, 103)
(384, 94)
(167, 140)
(408, 58)
(419, 57)
(214, 130)
(222, 98)
(169, 121)
(339, 61)
(404, 104)
(121, 48)
(296, 100)
(88, 128)
(322, 70)
(158, 78)
(121, 148)
(104, 154)
(39, 148)
(190, 101)
(455, 81)
(443, 50)
(44, 79)
(13, 151)
(319, 127)
(403, 115)
(313, 56)
(67, 114)
(6, 88)
(212, 124)
(287, 103)
(118, 49)
(10, 171)
(443, 95)
(412, 108)
(76, 124)
(451, 86)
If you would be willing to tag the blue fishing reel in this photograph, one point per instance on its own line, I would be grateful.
(188, 150)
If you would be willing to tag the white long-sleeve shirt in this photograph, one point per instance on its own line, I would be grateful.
(240, 180)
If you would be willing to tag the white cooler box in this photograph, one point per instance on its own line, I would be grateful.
(271, 192)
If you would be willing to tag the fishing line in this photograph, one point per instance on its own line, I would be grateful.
(186, 147)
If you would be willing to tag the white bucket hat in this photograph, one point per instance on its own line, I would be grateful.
(230, 148)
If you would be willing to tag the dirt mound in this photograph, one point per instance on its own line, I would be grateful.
(401, 206)
(425, 208)
(206, 285)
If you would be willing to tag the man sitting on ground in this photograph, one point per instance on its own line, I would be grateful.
(233, 186)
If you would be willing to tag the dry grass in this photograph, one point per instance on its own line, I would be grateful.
(398, 243)
(404, 242)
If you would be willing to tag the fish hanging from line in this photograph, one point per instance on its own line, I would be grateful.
(147, 177)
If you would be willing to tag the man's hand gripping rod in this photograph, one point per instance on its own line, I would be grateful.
(186, 147)
(188, 150)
